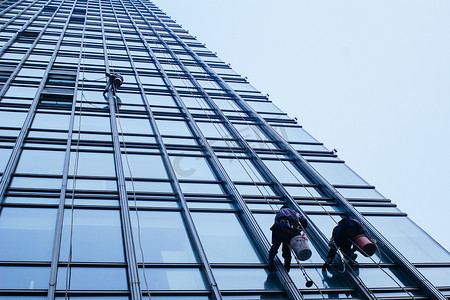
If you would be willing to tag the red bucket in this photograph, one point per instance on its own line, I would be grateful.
(364, 245)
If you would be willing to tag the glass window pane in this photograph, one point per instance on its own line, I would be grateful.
(172, 279)
(26, 234)
(191, 168)
(285, 172)
(338, 173)
(320, 277)
(24, 277)
(294, 134)
(167, 127)
(83, 278)
(224, 238)
(409, 239)
(97, 236)
(377, 278)
(145, 166)
(248, 279)
(163, 237)
(437, 276)
(360, 193)
(92, 123)
(41, 162)
(250, 132)
(93, 164)
(201, 188)
(4, 157)
(241, 170)
(51, 121)
(129, 125)
(12, 118)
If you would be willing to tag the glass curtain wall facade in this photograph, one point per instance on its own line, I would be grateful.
(168, 190)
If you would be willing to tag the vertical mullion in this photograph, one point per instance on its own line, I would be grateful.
(173, 178)
(394, 254)
(14, 158)
(231, 189)
(133, 271)
(62, 197)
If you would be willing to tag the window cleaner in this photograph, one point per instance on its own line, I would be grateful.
(349, 236)
(288, 224)
(115, 80)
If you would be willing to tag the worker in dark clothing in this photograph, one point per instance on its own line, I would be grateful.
(291, 220)
(115, 80)
(343, 235)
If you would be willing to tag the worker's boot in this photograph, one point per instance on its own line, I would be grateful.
(352, 260)
(287, 265)
(271, 266)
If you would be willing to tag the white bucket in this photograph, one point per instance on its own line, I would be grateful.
(299, 244)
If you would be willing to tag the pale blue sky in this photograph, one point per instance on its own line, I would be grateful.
(369, 78)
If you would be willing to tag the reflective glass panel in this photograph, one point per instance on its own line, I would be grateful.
(84, 278)
(241, 170)
(191, 168)
(245, 279)
(437, 276)
(41, 162)
(322, 278)
(97, 236)
(92, 163)
(163, 237)
(26, 234)
(224, 238)
(410, 239)
(145, 166)
(338, 173)
(284, 171)
(167, 127)
(14, 277)
(172, 279)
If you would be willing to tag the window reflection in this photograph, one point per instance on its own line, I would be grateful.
(92, 164)
(248, 279)
(14, 277)
(338, 173)
(409, 239)
(97, 236)
(191, 168)
(224, 239)
(41, 162)
(172, 279)
(27, 233)
(163, 237)
(84, 278)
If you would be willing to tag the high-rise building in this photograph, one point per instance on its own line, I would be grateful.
(168, 189)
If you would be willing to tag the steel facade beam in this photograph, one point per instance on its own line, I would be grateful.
(130, 253)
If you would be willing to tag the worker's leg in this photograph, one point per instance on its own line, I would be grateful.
(286, 252)
(349, 254)
(276, 243)
(107, 87)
